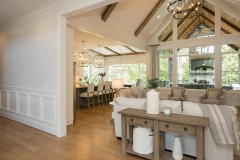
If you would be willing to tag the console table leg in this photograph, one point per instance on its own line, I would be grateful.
(162, 141)
(156, 140)
(124, 135)
(131, 134)
(200, 143)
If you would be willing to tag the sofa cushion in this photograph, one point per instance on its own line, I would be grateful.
(219, 90)
(211, 101)
(132, 102)
(212, 95)
(175, 105)
(174, 98)
(191, 108)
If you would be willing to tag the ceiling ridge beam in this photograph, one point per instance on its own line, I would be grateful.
(96, 52)
(130, 49)
(194, 21)
(112, 51)
(222, 19)
(179, 25)
(149, 16)
(108, 10)
(126, 54)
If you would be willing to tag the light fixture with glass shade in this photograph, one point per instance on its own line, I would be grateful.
(99, 61)
(83, 59)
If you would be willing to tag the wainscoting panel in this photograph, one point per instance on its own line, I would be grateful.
(34, 106)
(48, 109)
(23, 104)
(4, 100)
(13, 102)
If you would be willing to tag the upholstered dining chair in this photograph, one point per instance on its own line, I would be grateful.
(107, 92)
(212, 96)
(176, 93)
(88, 95)
(99, 94)
(139, 82)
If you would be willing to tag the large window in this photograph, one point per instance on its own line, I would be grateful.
(128, 72)
(91, 73)
(165, 68)
(230, 67)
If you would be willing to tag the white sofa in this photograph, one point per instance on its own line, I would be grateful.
(212, 151)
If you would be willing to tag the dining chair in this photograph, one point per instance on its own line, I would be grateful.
(99, 94)
(88, 95)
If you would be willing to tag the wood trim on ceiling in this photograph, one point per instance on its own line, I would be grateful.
(108, 10)
(112, 51)
(130, 49)
(98, 53)
(126, 54)
(149, 16)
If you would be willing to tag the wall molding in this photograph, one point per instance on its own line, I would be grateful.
(2, 87)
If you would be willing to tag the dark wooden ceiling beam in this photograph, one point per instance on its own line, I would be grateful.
(112, 51)
(179, 25)
(223, 30)
(108, 10)
(189, 26)
(126, 54)
(130, 49)
(222, 19)
(149, 16)
(96, 52)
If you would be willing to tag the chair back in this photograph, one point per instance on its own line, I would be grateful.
(107, 85)
(177, 88)
(100, 86)
(90, 87)
(139, 82)
(219, 90)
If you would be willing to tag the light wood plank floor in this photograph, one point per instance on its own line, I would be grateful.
(92, 137)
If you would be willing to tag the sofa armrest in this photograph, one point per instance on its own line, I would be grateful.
(118, 119)
(202, 97)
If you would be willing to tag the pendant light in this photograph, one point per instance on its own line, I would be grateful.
(99, 61)
(83, 59)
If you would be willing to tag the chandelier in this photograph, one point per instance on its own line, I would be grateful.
(99, 61)
(83, 59)
(183, 9)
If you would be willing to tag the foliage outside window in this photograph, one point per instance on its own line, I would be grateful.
(230, 68)
(92, 73)
(128, 72)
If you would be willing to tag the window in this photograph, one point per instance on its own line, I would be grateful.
(230, 67)
(129, 72)
(195, 70)
(91, 73)
(165, 68)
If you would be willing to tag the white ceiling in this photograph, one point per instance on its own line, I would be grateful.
(234, 3)
(10, 9)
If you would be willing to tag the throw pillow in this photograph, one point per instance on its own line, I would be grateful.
(177, 92)
(212, 95)
(129, 93)
(140, 93)
(122, 93)
(131, 103)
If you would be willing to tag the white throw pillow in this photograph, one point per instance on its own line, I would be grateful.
(175, 105)
(212, 95)
(131, 103)
(191, 108)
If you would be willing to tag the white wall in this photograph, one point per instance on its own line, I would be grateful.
(33, 65)
(28, 70)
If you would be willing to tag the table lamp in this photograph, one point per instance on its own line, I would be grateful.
(117, 84)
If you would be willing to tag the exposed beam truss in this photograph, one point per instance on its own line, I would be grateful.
(130, 49)
(149, 16)
(98, 53)
(126, 54)
(108, 10)
(112, 51)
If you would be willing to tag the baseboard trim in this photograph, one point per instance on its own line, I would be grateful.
(52, 129)
(69, 123)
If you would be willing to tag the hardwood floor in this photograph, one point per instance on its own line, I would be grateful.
(92, 137)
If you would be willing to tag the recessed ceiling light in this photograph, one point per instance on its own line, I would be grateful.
(158, 16)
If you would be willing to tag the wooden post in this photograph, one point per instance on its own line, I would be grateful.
(200, 143)
(124, 135)
(156, 140)
(131, 134)
(162, 141)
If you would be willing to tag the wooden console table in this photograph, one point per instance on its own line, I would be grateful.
(180, 123)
